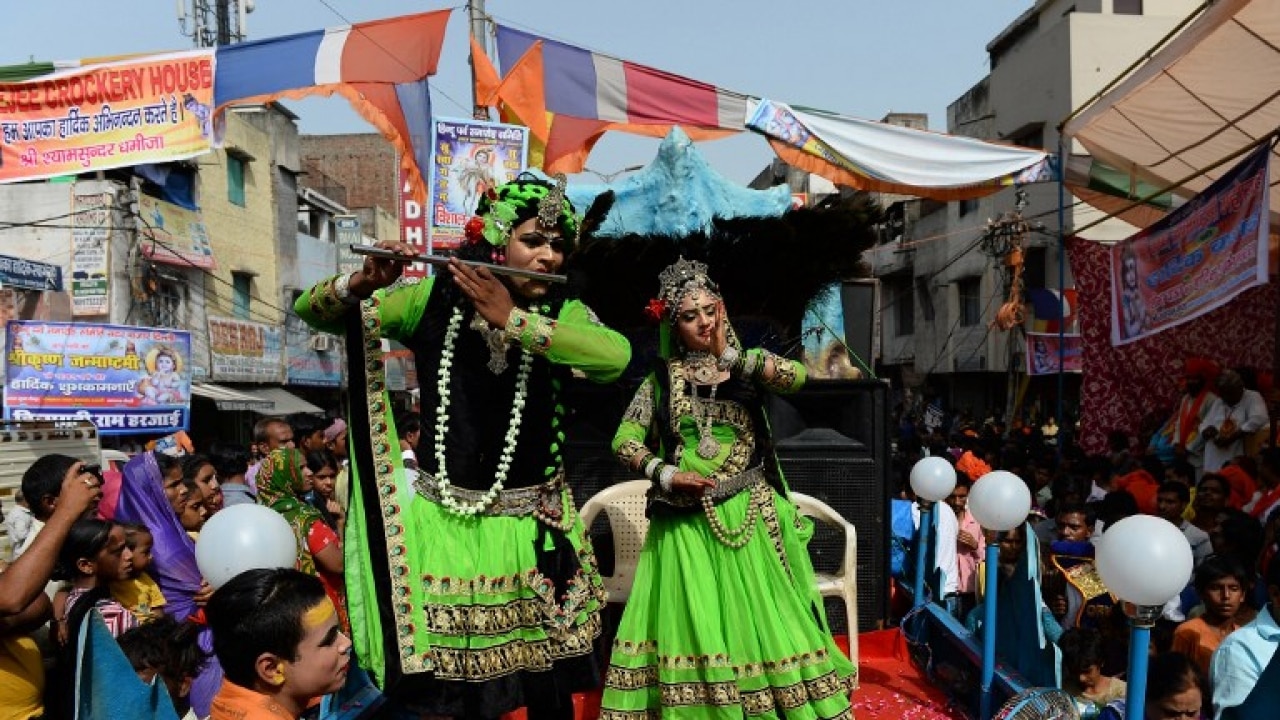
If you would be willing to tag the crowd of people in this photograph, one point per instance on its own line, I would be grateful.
(1207, 469)
(439, 554)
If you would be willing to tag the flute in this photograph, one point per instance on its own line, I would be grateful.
(439, 261)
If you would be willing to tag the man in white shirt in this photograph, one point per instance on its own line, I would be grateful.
(1237, 414)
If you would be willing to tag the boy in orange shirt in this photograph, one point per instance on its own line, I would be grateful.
(276, 634)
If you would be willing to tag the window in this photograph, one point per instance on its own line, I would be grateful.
(240, 298)
(1126, 7)
(235, 179)
(904, 309)
(968, 206)
(970, 301)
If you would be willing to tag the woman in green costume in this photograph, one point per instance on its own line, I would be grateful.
(723, 620)
(471, 587)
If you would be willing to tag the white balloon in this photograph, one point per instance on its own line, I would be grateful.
(1000, 501)
(1144, 559)
(244, 537)
(933, 478)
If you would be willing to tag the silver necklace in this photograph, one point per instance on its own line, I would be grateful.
(708, 446)
(703, 369)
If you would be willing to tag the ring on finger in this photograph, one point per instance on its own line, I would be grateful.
(90, 483)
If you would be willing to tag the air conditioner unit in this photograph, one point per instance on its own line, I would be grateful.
(321, 343)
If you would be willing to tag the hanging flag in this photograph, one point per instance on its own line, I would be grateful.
(381, 67)
(569, 97)
(880, 157)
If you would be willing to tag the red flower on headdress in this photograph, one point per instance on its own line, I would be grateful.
(656, 309)
(474, 229)
(492, 194)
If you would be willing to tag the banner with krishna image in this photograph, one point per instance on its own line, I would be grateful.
(126, 380)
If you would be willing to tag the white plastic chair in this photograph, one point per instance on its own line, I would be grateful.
(844, 583)
(624, 505)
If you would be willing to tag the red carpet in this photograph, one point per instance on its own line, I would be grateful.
(889, 686)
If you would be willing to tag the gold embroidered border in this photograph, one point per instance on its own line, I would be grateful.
(727, 693)
(769, 515)
(385, 476)
(640, 411)
(784, 372)
(720, 411)
(324, 301)
(1086, 579)
(478, 664)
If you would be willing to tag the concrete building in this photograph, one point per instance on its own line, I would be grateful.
(360, 172)
(940, 289)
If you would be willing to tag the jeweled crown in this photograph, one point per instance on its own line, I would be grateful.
(679, 279)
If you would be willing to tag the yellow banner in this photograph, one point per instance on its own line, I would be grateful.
(155, 108)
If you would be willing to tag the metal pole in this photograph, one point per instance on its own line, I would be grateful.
(922, 546)
(1136, 692)
(479, 25)
(1062, 283)
(224, 22)
(992, 576)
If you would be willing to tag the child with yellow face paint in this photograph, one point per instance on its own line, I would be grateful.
(276, 634)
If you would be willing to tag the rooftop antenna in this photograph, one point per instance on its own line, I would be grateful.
(214, 22)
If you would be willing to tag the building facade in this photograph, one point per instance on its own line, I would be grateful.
(942, 284)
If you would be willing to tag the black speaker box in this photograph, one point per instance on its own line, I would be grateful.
(832, 441)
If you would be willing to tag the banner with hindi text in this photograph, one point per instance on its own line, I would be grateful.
(174, 235)
(126, 380)
(244, 351)
(1196, 258)
(468, 157)
(156, 108)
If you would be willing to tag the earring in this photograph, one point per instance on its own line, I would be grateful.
(498, 257)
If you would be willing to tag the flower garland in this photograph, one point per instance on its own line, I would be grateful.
(442, 426)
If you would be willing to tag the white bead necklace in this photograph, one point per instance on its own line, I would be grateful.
(442, 426)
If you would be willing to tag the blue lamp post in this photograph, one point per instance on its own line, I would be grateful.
(999, 501)
(932, 480)
(1145, 561)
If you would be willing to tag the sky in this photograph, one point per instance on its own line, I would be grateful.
(864, 58)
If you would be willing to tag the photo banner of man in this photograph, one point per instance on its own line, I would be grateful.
(1043, 351)
(1196, 258)
(469, 157)
(150, 109)
(126, 380)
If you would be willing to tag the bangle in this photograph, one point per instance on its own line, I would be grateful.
(750, 365)
(342, 288)
(651, 466)
(728, 359)
(665, 476)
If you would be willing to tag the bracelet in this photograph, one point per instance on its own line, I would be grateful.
(342, 288)
(728, 359)
(651, 466)
(665, 476)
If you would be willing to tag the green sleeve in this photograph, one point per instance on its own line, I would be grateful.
(401, 308)
(778, 373)
(629, 441)
(575, 338)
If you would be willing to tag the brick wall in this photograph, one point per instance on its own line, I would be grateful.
(365, 164)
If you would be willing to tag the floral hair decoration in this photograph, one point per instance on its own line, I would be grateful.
(504, 207)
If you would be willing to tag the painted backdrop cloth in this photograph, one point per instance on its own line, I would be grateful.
(1122, 385)
(173, 560)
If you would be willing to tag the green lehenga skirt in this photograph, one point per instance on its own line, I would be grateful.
(716, 632)
(490, 612)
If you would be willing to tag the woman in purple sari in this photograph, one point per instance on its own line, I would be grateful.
(173, 560)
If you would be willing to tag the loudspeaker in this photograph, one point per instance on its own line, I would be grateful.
(833, 444)
(860, 301)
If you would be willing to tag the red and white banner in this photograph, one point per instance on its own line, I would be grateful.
(1196, 258)
(1044, 352)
